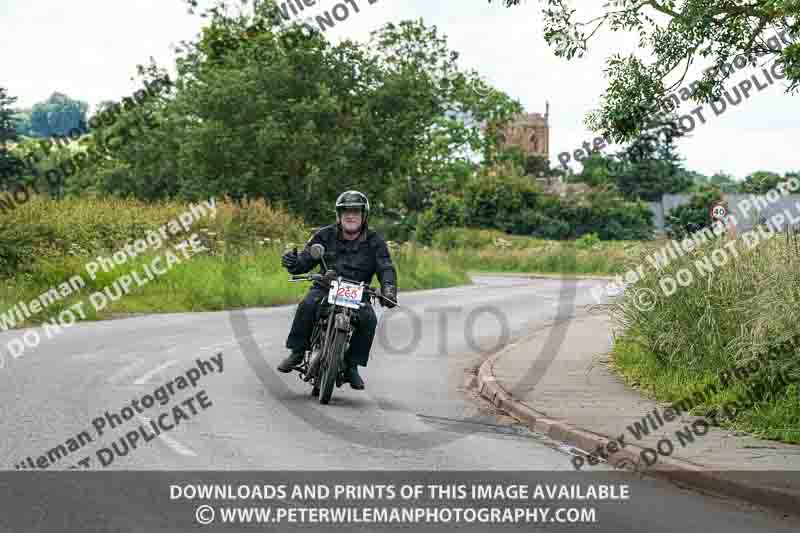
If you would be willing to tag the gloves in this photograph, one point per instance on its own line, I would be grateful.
(290, 260)
(389, 291)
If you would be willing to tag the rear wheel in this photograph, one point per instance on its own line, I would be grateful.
(331, 366)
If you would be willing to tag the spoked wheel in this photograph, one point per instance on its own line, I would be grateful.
(330, 367)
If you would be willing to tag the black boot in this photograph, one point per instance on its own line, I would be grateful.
(295, 359)
(352, 376)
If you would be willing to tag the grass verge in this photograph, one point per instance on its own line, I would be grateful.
(44, 243)
(494, 251)
(207, 283)
(742, 314)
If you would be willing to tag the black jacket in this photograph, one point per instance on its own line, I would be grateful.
(359, 259)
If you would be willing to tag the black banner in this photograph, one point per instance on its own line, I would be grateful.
(367, 501)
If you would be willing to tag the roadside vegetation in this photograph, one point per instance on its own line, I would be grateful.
(44, 242)
(282, 123)
(480, 250)
(745, 313)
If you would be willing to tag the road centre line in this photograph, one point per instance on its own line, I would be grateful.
(217, 346)
(143, 380)
(174, 445)
(124, 371)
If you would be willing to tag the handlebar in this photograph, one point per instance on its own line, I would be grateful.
(320, 278)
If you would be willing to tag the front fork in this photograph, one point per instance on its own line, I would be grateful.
(345, 327)
(341, 322)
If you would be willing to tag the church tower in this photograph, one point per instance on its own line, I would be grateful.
(529, 131)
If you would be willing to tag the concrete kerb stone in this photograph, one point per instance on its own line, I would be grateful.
(683, 472)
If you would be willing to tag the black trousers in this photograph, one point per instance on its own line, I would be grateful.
(303, 326)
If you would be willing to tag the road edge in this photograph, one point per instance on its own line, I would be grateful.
(543, 275)
(682, 472)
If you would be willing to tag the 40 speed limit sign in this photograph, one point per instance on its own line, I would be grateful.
(718, 211)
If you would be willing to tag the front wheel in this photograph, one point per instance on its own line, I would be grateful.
(331, 368)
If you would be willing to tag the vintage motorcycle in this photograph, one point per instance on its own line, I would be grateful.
(324, 364)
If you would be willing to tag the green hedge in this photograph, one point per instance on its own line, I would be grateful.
(447, 211)
(49, 230)
(691, 217)
(516, 205)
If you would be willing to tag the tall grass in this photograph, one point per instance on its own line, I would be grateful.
(491, 250)
(745, 312)
(43, 229)
(240, 269)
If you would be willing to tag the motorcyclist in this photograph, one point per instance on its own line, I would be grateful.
(355, 252)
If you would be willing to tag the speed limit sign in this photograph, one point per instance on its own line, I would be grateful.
(718, 211)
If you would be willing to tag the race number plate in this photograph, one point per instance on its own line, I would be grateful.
(346, 294)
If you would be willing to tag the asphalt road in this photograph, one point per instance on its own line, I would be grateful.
(415, 413)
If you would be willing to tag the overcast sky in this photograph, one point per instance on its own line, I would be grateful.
(89, 49)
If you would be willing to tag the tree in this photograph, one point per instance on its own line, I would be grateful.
(453, 177)
(597, 171)
(287, 116)
(446, 95)
(675, 37)
(10, 165)
(725, 182)
(57, 115)
(648, 169)
(23, 119)
(760, 182)
(537, 165)
(511, 157)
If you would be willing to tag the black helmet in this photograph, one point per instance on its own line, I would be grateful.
(352, 199)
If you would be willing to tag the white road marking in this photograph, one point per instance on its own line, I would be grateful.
(214, 347)
(407, 357)
(142, 380)
(87, 356)
(174, 445)
(124, 371)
